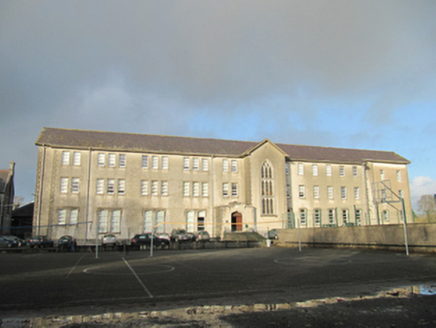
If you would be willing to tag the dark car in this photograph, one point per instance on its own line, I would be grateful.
(180, 235)
(67, 243)
(41, 242)
(145, 239)
(21, 242)
(8, 243)
(202, 236)
(164, 238)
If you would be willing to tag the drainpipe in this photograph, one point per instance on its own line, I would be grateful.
(41, 181)
(212, 219)
(87, 195)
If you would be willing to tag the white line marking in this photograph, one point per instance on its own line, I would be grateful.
(72, 269)
(134, 273)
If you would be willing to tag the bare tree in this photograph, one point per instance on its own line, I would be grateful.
(427, 206)
(18, 201)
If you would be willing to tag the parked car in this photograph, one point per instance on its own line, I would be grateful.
(144, 239)
(67, 242)
(8, 243)
(164, 238)
(21, 242)
(180, 235)
(40, 241)
(202, 236)
(273, 234)
(109, 240)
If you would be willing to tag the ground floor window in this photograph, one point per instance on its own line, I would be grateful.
(109, 221)
(332, 219)
(317, 217)
(358, 217)
(154, 221)
(345, 218)
(303, 217)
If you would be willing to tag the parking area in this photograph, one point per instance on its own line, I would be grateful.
(50, 282)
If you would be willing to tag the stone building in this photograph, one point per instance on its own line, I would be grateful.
(7, 194)
(90, 183)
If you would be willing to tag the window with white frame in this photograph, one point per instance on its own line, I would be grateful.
(144, 187)
(77, 158)
(196, 164)
(302, 191)
(205, 189)
(112, 160)
(358, 217)
(355, 172)
(115, 221)
(144, 162)
(62, 215)
(101, 159)
(329, 192)
(164, 188)
(399, 177)
(155, 162)
(102, 221)
(356, 193)
(100, 186)
(148, 221)
(65, 158)
(328, 170)
(345, 218)
(160, 221)
(186, 189)
(186, 163)
(316, 192)
(154, 188)
(303, 217)
(190, 224)
(234, 190)
(205, 164)
(267, 188)
(225, 165)
(121, 186)
(110, 186)
(234, 166)
(300, 169)
(344, 192)
(122, 160)
(341, 171)
(165, 162)
(315, 170)
(201, 218)
(74, 215)
(225, 189)
(317, 217)
(75, 185)
(64, 185)
(196, 189)
(385, 216)
(332, 216)
(287, 170)
(382, 175)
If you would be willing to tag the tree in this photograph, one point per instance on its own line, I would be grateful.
(18, 201)
(427, 206)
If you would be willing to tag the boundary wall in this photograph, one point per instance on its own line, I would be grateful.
(421, 237)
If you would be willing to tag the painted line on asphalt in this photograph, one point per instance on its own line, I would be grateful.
(139, 280)
(75, 265)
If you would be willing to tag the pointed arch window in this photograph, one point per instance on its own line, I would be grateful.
(267, 189)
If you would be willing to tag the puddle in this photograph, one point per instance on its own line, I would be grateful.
(209, 314)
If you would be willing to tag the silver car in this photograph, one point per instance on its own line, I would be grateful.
(109, 240)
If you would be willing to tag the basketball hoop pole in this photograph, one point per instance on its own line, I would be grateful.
(406, 244)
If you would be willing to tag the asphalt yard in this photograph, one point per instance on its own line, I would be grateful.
(42, 283)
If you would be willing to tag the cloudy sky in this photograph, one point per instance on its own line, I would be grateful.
(337, 73)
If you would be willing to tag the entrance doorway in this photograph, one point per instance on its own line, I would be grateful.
(236, 221)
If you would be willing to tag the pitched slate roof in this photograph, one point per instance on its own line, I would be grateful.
(84, 139)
